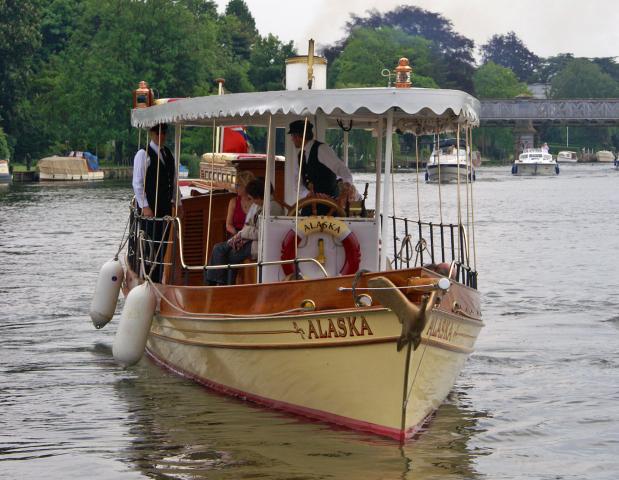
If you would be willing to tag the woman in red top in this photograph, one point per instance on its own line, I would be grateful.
(238, 206)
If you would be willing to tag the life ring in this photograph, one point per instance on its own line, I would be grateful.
(331, 226)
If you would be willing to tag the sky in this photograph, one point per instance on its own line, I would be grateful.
(586, 28)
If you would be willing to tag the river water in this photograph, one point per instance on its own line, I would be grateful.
(538, 398)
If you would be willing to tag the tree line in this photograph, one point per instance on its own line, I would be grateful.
(68, 68)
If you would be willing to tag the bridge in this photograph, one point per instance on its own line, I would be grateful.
(534, 111)
(524, 114)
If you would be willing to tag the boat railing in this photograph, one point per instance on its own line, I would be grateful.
(146, 253)
(427, 244)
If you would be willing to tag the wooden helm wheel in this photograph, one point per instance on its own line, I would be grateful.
(314, 202)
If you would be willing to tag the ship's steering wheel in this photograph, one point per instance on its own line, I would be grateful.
(314, 202)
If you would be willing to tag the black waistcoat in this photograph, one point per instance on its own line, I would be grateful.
(321, 178)
(165, 191)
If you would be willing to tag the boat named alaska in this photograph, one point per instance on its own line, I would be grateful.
(348, 332)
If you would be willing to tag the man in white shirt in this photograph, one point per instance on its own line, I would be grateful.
(154, 185)
(321, 166)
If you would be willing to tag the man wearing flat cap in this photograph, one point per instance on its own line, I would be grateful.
(321, 166)
(153, 184)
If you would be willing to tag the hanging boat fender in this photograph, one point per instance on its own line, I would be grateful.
(134, 325)
(329, 225)
(104, 300)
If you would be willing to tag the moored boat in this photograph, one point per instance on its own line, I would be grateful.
(324, 323)
(567, 156)
(535, 161)
(605, 156)
(77, 166)
(5, 174)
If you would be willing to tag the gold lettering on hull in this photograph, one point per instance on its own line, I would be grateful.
(340, 327)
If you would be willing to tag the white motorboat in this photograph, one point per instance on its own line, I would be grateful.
(567, 156)
(535, 161)
(448, 163)
(605, 156)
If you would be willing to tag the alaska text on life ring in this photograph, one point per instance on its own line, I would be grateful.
(329, 225)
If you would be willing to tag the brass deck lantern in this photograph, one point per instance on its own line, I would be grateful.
(403, 74)
(142, 96)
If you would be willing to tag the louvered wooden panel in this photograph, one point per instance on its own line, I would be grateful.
(194, 222)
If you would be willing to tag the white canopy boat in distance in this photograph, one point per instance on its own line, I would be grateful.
(567, 156)
(357, 335)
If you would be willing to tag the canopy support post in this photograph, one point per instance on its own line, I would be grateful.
(386, 205)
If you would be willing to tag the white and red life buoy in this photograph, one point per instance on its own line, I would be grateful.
(331, 226)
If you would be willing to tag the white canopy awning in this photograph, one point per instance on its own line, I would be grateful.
(419, 110)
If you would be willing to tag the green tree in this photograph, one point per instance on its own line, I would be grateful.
(369, 51)
(494, 81)
(453, 53)
(19, 41)
(510, 52)
(582, 78)
(112, 49)
(4, 146)
(268, 63)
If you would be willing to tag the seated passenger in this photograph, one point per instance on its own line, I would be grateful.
(320, 170)
(238, 206)
(244, 244)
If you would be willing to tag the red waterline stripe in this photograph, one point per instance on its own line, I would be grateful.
(394, 433)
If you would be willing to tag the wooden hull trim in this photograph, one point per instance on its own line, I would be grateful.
(393, 433)
(218, 317)
(289, 346)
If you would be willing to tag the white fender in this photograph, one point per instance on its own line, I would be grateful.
(134, 325)
(106, 293)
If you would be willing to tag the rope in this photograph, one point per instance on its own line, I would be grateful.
(215, 315)
(123, 239)
(210, 198)
(417, 168)
(470, 131)
(178, 169)
(438, 156)
(158, 163)
(458, 175)
(296, 210)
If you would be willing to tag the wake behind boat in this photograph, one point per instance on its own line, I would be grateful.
(324, 322)
(535, 161)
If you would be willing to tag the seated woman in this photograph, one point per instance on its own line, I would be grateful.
(244, 244)
(239, 206)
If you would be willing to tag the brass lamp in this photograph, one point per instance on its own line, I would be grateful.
(403, 74)
(142, 96)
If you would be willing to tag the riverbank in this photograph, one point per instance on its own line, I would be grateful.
(22, 175)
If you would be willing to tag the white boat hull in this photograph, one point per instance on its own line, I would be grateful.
(448, 173)
(71, 176)
(534, 169)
